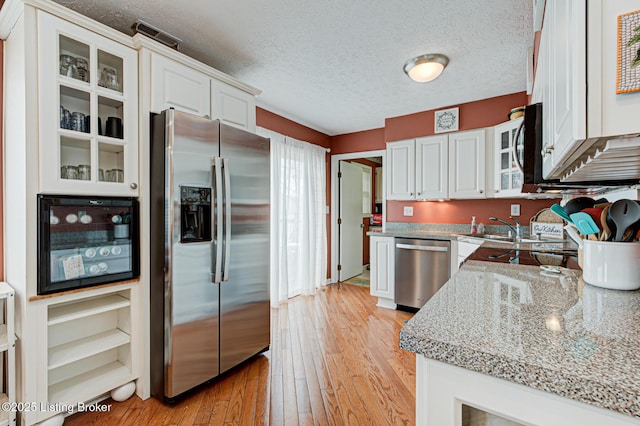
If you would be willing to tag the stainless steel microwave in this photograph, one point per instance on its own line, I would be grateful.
(531, 130)
(86, 241)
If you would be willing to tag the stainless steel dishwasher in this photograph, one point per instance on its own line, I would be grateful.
(422, 267)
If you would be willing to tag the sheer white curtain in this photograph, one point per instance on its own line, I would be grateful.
(298, 221)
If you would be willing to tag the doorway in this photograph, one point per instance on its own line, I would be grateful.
(349, 242)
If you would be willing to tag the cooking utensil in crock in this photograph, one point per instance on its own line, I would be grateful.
(624, 214)
(595, 214)
(606, 231)
(572, 232)
(578, 204)
(584, 223)
(560, 212)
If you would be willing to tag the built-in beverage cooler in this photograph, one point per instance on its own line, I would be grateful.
(86, 241)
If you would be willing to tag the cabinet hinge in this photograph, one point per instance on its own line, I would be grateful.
(339, 267)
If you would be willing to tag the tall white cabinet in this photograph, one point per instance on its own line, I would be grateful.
(76, 346)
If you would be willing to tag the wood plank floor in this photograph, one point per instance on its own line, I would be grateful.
(334, 360)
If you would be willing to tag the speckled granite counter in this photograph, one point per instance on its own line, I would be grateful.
(548, 332)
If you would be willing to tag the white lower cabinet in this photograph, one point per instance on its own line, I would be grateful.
(89, 345)
(7, 353)
(382, 264)
(465, 248)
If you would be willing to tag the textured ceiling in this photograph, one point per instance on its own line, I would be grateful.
(336, 65)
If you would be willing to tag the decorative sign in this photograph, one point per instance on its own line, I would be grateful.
(547, 230)
(628, 53)
(446, 120)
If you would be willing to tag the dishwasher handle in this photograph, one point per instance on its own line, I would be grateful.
(421, 248)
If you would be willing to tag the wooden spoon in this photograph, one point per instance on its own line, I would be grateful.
(606, 231)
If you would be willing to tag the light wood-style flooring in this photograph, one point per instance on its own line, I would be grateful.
(334, 360)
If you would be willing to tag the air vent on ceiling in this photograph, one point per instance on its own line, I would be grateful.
(157, 34)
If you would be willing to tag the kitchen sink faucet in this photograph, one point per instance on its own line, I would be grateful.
(517, 230)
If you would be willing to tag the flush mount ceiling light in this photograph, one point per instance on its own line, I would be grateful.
(425, 68)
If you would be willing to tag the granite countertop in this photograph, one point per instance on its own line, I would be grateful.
(549, 332)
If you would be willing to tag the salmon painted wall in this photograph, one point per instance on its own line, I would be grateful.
(368, 140)
(460, 211)
(473, 115)
(287, 127)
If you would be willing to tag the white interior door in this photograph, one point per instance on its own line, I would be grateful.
(351, 221)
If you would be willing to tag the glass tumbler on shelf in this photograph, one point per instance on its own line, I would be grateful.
(65, 118)
(68, 66)
(78, 122)
(118, 175)
(84, 172)
(82, 67)
(109, 78)
(69, 172)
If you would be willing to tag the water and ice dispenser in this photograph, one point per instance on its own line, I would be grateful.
(195, 214)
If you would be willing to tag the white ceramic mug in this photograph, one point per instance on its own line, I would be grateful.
(612, 265)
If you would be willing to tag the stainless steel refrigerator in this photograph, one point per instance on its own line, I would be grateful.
(209, 218)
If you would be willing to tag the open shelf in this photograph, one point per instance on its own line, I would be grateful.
(94, 382)
(86, 347)
(72, 311)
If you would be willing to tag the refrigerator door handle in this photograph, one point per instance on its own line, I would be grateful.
(217, 221)
(227, 220)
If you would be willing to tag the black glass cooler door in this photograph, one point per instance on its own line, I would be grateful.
(85, 241)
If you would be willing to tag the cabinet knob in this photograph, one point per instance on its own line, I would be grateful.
(481, 191)
(419, 193)
(133, 185)
(496, 190)
(411, 193)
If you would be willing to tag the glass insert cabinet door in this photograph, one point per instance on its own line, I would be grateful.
(508, 176)
(88, 111)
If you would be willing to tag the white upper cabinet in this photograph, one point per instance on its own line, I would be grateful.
(401, 183)
(436, 167)
(174, 85)
(574, 124)
(432, 169)
(88, 111)
(180, 82)
(467, 164)
(233, 106)
(507, 178)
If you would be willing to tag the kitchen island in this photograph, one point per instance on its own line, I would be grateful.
(526, 345)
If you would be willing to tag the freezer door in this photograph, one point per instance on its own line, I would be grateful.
(191, 337)
(244, 292)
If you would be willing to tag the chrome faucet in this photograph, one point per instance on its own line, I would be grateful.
(517, 230)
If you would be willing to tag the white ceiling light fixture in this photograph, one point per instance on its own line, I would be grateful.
(425, 68)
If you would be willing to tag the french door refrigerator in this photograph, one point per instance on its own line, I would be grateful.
(209, 218)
